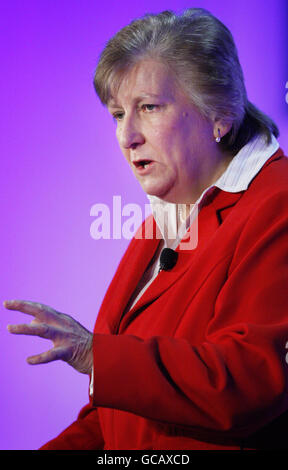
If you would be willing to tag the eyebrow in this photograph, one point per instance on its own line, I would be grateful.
(112, 104)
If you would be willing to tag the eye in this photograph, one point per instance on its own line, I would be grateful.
(149, 107)
(118, 116)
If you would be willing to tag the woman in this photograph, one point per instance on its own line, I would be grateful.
(191, 355)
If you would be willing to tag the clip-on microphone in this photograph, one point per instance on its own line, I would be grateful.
(168, 259)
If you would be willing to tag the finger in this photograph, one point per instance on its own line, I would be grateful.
(36, 309)
(25, 306)
(53, 354)
(41, 329)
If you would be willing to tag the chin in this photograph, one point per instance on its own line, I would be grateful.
(157, 193)
(162, 191)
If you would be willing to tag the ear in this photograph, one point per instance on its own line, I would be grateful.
(223, 126)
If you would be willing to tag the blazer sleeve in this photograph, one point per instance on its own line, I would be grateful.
(236, 380)
(83, 434)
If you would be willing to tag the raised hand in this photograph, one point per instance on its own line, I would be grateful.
(72, 342)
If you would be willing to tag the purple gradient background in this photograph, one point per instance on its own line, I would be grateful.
(59, 157)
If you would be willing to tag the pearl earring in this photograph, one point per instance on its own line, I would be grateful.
(219, 137)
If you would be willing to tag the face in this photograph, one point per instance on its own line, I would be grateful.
(169, 146)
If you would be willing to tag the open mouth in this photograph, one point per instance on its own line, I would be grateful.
(142, 163)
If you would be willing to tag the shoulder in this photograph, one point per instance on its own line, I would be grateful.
(264, 205)
(269, 188)
(273, 175)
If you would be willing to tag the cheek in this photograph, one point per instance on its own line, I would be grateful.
(161, 137)
(123, 150)
(117, 134)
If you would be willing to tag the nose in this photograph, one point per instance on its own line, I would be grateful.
(129, 133)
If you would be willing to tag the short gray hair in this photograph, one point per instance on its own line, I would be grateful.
(201, 51)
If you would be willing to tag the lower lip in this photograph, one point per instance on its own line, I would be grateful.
(141, 170)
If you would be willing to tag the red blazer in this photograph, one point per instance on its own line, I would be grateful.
(199, 361)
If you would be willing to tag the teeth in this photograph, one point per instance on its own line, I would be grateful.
(143, 163)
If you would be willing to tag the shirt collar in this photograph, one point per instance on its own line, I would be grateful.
(246, 164)
(238, 175)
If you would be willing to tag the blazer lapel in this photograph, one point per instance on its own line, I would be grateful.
(208, 222)
(133, 264)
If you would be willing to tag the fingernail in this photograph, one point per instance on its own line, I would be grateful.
(31, 360)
